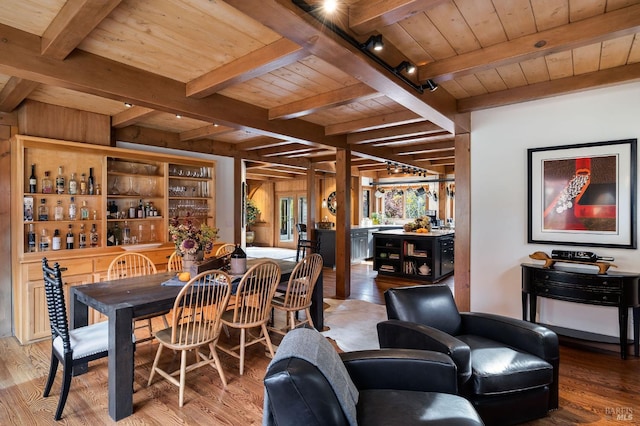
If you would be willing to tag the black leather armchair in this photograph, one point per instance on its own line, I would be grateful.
(508, 368)
(395, 387)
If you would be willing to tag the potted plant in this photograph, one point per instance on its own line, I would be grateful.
(251, 215)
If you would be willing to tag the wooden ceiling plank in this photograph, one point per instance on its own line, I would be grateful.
(290, 21)
(605, 78)
(372, 123)
(283, 150)
(302, 107)
(131, 116)
(261, 142)
(443, 136)
(202, 132)
(72, 25)
(259, 62)
(405, 130)
(611, 25)
(14, 92)
(414, 149)
(89, 73)
(366, 16)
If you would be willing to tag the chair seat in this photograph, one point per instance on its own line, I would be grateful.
(401, 407)
(86, 341)
(190, 335)
(497, 368)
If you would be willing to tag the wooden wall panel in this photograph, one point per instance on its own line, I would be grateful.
(51, 121)
(462, 272)
(5, 241)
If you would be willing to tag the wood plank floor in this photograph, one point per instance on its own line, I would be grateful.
(595, 387)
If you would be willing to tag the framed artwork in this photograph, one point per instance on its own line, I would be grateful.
(583, 194)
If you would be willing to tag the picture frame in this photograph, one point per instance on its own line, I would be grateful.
(583, 194)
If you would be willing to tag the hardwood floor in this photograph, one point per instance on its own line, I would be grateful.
(595, 388)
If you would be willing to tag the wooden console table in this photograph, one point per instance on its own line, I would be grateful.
(616, 289)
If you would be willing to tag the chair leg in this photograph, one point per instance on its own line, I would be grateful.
(64, 392)
(242, 342)
(155, 364)
(292, 320)
(53, 368)
(183, 373)
(216, 361)
(307, 312)
(267, 340)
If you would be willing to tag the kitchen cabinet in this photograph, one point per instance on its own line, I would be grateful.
(361, 243)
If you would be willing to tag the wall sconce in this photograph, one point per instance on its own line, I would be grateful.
(374, 42)
(431, 85)
(324, 203)
(405, 66)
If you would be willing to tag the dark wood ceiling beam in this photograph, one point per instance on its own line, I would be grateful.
(405, 130)
(88, 73)
(203, 132)
(588, 31)
(259, 62)
(260, 142)
(283, 150)
(14, 92)
(605, 78)
(287, 19)
(354, 93)
(131, 116)
(426, 147)
(444, 136)
(8, 119)
(383, 155)
(373, 123)
(366, 15)
(271, 173)
(74, 22)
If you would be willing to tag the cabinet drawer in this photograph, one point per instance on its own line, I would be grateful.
(73, 267)
(578, 279)
(600, 295)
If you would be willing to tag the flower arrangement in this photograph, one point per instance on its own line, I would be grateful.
(189, 238)
(252, 212)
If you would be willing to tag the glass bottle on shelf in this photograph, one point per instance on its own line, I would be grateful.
(31, 239)
(126, 233)
(83, 184)
(60, 181)
(43, 210)
(56, 243)
(82, 237)
(94, 238)
(47, 184)
(111, 238)
(140, 229)
(117, 234)
(58, 211)
(84, 211)
(73, 184)
(91, 183)
(32, 180)
(70, 238)
(152, 233)
(45, 240)
(132, 210)
(73, 209)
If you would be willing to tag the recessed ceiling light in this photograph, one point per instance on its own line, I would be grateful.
(178, 116)
(330, 6)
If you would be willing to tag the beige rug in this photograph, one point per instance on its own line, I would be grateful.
(352, 323)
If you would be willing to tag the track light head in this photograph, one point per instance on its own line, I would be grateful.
(431, 85)
(405, 66)
(374, 42)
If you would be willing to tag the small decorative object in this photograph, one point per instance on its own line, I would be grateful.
(238, 261)
(191, 241)
(549, 262)
(421, 225)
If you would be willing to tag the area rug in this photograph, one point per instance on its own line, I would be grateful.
(352, 323)
(271, 252)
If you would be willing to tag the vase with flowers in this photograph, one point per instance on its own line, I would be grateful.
(192, 240)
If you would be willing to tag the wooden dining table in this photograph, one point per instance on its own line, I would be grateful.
(122, 300)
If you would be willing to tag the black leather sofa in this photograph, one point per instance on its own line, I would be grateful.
(508, 368)
(395, 387)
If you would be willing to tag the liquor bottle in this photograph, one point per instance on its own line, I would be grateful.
(32, 180)
(47, 185)
(91, 182)
(45, 240)
(73, 184)
(140, 212)
(140, 229)
(60, 181)
(43, 210)
(94, 238)
(84, 211)
(73, 209)
(82, 237)
(238, 261)
(83, 184)
(111, 238)
(132, 211)
(56, 243)
(152, 233)
(117, 234)
(31, 239)
(58, 211)
(126, 233)
(70, 238)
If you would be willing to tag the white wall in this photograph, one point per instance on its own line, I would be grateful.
(499, 141)
(224, 182)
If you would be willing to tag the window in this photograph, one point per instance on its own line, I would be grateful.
(415, 205)
(394, 204)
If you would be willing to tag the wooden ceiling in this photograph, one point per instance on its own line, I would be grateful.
(266, 81)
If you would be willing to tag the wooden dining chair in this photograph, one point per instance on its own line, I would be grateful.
(225, 249)
(175, 262)
(297, 296)
(132, 264)
(252, 307)
(69, 347)
(196, 325)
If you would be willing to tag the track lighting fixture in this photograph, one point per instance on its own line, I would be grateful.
(128, 105)
(431, 85)
(405, 66)
(374, 42)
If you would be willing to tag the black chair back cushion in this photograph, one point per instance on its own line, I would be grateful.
(431, 305)
(299, 394)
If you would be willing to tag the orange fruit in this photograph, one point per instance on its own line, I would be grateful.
(184, 276)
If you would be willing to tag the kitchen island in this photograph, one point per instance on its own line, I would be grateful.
(361, 242)
(426, 257)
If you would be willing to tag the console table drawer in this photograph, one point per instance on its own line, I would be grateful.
(570, 292)
(578, 279)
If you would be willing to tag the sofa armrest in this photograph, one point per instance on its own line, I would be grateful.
(402, 369)
(409, 335)
(526, 336)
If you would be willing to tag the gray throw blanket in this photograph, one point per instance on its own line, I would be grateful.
(313, 347)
